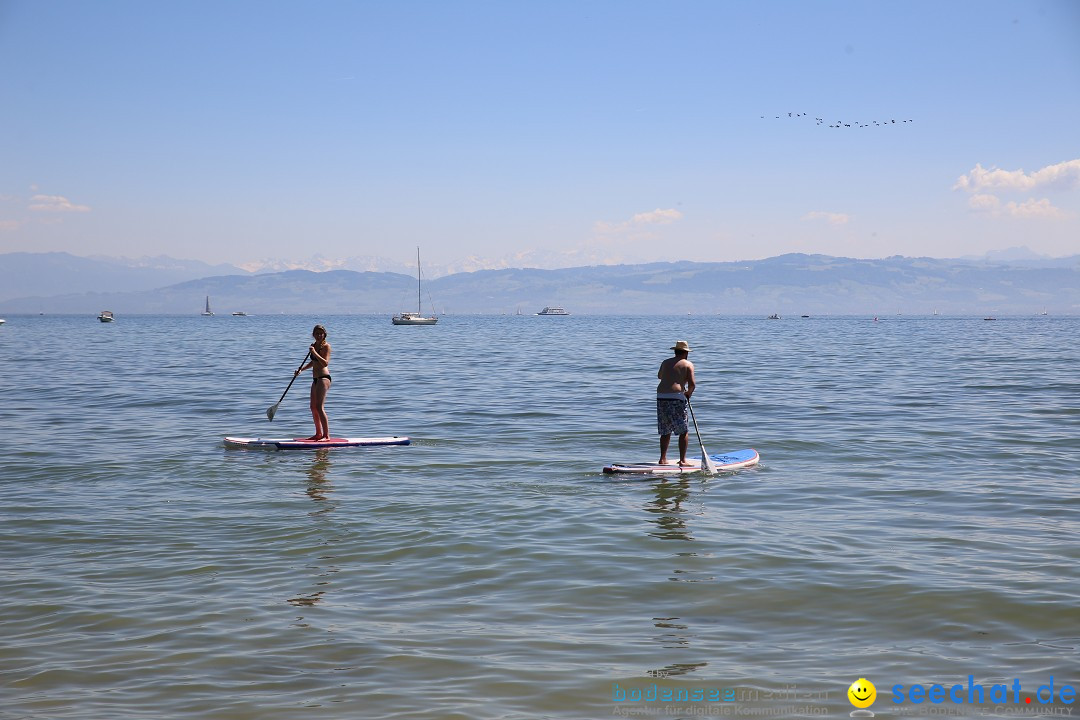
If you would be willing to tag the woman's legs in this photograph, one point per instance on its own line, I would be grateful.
(318, 411)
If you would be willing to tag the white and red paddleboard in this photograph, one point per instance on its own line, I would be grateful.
(305, 444)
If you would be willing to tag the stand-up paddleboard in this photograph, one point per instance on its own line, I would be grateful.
(303, 444)
(726, 462)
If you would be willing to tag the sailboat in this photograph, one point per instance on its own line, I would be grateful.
(207, 312)
(415, 318)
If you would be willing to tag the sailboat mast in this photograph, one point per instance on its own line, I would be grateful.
(418, 312)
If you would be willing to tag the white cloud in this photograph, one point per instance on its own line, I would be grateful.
(654, 217)
(8, 225)
(55, 203)
(986, 185)
(657, 217)
(831, 217)
(1064, 175)
(1032, 208)
(981, 201)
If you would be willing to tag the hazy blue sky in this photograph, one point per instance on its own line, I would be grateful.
(559, 132)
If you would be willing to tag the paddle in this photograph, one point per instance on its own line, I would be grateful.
(273, 408)
(707, 464)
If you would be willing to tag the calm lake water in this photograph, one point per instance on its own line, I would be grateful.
(914, 519)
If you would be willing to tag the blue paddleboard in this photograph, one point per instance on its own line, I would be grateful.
(725, 462)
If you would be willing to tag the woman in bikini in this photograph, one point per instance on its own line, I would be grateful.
(319, 352)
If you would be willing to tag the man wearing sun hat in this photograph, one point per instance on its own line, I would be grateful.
(676, 385)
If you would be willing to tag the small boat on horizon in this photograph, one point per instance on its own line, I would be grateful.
(240, 313)
(553, 310)
(415, 318)
(207, 312)
(774, 316)
(105, 316)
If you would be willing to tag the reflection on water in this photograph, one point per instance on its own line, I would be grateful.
(318, 485)
(676, 669)
(307, 600)
(319, 489)
(674, 635)
(668, 507)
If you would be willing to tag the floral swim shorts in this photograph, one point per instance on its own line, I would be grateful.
(671, 417)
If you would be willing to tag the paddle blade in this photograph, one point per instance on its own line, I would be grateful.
(706, 462)
(273, 408)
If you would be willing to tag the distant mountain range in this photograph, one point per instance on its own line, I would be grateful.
(788, 284)
(45, 274)
(472, 263)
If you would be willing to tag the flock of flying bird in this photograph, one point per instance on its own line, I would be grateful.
(841, 123)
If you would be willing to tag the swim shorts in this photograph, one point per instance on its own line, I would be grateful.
(671, 415)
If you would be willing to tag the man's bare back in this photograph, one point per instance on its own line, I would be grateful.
(676, 376)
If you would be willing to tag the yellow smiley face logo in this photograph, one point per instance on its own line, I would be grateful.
(862, 693)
